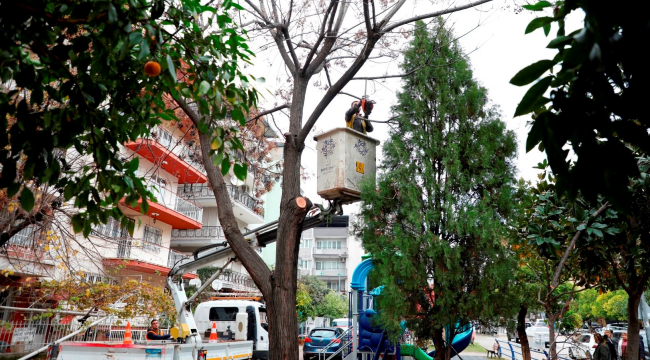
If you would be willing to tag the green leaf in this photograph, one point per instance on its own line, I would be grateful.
(77, 223)
(241, 171)
(13, 189)
(531, 72)
(216, 143)
(128, 182)
(238, 115)
(597, 232)
(144, 206)
(217, 159)
(537, 7)
(171, 68)
(534, 97)
(581, 227)
(144, 50)
(538, 23)
(158, 9)
(203, 88)
(112, 13)
(225, 166)
(547, 29)
(27, 199)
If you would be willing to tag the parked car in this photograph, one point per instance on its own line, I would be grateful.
(582, 346)
(320, 338)
(4, 347)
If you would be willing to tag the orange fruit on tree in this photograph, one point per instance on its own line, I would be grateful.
(152, 68)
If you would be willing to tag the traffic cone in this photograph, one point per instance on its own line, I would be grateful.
(127, 334)
(213, 333)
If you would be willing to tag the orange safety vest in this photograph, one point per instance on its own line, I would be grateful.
(154, 332)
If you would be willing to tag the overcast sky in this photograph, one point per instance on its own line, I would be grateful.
(498, 49)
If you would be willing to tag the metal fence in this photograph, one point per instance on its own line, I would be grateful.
(202, 191)
(29, 331)
(513, 351)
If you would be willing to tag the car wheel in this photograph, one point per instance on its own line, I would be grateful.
(517, 340)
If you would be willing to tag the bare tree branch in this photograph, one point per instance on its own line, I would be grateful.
(430, 15)
(253, 263)
(264, 113)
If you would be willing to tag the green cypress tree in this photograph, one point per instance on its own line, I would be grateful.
(436, 218)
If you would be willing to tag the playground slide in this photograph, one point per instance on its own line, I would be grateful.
(414, 352)
(460, 343)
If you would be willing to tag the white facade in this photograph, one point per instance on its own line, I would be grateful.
(324, 253)
(183, 219)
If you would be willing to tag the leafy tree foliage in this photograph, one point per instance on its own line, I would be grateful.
(316, 288)
(548, 227)
(433, 222)
(73, 79)
(597, 100)
(304, 303)
(333, 306)
(583, 305)
(622, 259)
(592, 305)
(570, 322)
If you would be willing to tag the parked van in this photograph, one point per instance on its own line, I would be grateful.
(342, 323)
(224, 313)
(538, 337)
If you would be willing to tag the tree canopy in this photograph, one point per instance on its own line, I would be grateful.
(74, 78)
(433, 220)
(596, 101)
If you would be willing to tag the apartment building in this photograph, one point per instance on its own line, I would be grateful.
(183, 219)
(324, 253)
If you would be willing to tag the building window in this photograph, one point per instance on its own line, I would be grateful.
(306, 243)
(328, 265)
(334, 285)
(328, 244)
(304, 264)
(111, 230)
(152, 239)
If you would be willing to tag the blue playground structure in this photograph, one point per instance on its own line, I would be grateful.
(372, 342)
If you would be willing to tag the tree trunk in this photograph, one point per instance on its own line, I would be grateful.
(552, 318)
(441, 349)
(634, 298)
(283, 323)
(521, 331)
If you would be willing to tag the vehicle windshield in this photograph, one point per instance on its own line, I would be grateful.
(585, 339)
(344, 322)
(323, 333)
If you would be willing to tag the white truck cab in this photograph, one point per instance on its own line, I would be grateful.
(224, 313)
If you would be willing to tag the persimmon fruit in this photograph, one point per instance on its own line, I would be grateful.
(152, 68)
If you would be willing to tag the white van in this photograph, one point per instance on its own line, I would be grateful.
(342, 323)
(224, 313)
(538, 337)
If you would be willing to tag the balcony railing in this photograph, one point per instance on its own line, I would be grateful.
(207, 232)
(189, 155)
(188, 209)
(174, 257)
(240, 281)
(203, 191)
(172, 201)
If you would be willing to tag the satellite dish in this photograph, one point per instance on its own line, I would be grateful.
(217, 285)
(235, 181)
